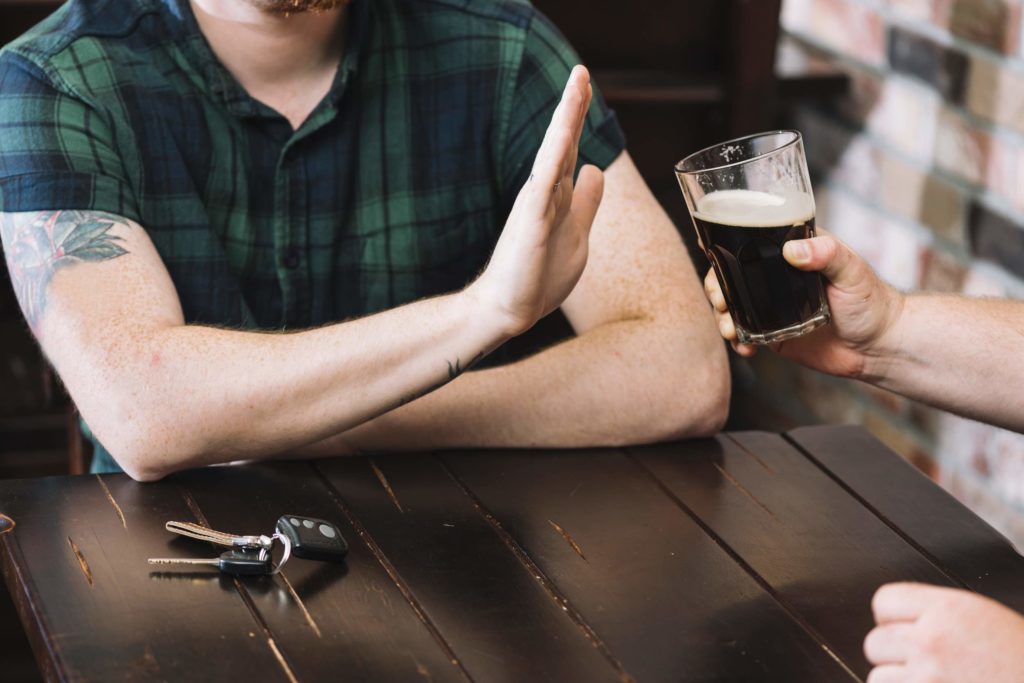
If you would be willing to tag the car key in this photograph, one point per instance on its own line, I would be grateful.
(235, 562)
(313, 539)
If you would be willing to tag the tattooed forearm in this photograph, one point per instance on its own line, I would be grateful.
(454, 370)
(457, 369)
(39, 244)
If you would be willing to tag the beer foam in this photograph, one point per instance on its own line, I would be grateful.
(753, 209)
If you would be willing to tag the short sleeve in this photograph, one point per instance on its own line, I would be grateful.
(547, 61)
(56, 151)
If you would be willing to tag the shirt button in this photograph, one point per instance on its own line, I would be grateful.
(291, 258)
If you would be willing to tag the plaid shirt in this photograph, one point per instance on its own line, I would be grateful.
(395, 188)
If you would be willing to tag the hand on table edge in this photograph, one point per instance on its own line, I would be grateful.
(933, 634)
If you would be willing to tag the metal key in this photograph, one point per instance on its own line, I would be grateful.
(235, 562)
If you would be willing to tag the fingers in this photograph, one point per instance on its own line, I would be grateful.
(831, 257)
(586, 198)
(570, 162)
(560, 144)
(903, 601)
(745, 350)
(890, 673)
(713, 291)
(890, 644)
(726, 326)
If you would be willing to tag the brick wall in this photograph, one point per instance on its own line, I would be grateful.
(921, 169)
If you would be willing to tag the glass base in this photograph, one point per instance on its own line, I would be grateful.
(819, 319)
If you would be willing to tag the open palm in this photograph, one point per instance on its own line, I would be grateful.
(542, 250)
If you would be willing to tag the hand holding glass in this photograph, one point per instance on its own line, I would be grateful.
(747, 198)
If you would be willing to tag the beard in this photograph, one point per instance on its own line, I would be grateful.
(286, 7)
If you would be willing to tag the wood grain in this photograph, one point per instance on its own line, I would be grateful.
(963, 544)
(329, 620)
(818, 549)
(664, 597)
(100, 614)
(739, 558)
(501, 621)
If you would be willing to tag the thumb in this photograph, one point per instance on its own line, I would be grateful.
(835, 260)
(586, 196)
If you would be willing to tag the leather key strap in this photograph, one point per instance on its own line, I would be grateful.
(202, 533)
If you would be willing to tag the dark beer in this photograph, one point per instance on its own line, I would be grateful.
(742, 232)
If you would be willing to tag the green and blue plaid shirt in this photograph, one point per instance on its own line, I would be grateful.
(394, 189)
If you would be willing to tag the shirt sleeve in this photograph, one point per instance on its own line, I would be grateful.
(546, 63)
(56, 151)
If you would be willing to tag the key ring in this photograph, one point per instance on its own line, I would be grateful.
(284, 557)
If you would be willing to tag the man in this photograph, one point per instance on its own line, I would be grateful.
(178, 181)
(958, 354)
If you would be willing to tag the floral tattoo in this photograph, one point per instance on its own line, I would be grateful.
(39, 244)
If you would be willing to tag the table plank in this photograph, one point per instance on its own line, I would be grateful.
(75, 563)
(663, 596)
(501, 622)
(329, 620)
(821, 552)
(934, 521)
(740, 558)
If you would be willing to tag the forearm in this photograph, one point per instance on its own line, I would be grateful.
(184, 396)
(624, 382)
(959, 354)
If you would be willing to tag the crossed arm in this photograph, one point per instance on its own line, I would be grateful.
(163, 395)
(643, 367)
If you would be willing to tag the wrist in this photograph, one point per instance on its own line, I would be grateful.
(885, 349)
(485, 314)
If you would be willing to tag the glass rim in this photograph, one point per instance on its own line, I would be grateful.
(796, 138)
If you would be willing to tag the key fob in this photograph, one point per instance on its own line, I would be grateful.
(245, 563)
(313, 539)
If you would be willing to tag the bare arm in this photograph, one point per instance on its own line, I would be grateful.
(952, 352)
(162, 395)
(959, 354)
(647, 364)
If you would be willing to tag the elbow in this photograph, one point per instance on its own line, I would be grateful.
(713, 413)
(696, 405)
(699, 413)
(138, 453)
(143, 475)
(143, 443)
(137, 410)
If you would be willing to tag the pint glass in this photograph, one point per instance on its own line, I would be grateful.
(747, 198)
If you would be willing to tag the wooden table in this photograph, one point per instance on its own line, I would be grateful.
(752, 556)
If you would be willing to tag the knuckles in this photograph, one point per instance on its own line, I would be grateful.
(932, 641)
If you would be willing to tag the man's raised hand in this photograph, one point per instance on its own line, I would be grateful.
(542, 250)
